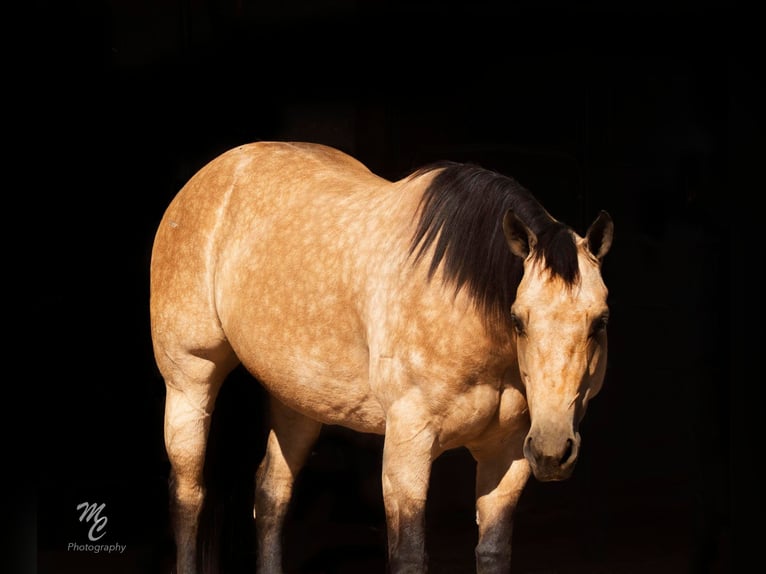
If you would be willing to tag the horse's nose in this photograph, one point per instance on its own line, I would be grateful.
(552, 456)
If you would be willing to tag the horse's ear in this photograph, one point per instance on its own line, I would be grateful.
(521, 239)
(599, 235)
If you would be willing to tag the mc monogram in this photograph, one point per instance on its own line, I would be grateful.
(91, 512)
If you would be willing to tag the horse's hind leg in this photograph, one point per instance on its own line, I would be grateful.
(192, 387)
(290, 440)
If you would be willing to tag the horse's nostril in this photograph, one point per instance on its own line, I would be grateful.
(528, 448)
(568, 452)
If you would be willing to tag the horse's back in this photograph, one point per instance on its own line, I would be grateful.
(242, 195)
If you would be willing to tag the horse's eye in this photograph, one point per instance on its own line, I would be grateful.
(599, 325)
(517, 323)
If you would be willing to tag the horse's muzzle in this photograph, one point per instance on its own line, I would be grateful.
(551, 456)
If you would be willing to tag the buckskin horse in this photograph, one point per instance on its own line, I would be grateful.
(447, 309)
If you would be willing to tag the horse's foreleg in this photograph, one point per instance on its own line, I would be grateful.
(407, 458)
(290, 440)
(187, 423)
(500, 480)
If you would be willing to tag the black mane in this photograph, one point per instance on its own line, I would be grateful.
(462, 217)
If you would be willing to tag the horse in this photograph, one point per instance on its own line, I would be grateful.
(443, 310)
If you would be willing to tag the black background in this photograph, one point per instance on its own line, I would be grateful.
(642, 111)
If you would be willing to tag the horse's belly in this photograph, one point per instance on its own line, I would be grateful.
(293, 318)
(328, 395)
(326, 379)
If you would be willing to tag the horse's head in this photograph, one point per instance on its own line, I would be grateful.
(559, 321)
